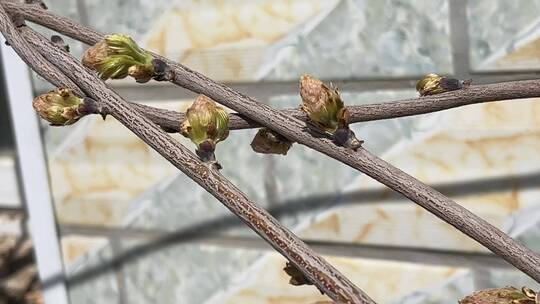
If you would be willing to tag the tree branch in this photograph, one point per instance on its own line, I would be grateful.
(295, 129)
(407, 107)
(171, 120)
(322, 274)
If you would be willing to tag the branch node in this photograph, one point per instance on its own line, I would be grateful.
(208, 157)
(345, 137)
(297, 277)
(18, 21)
(40, 3)
(162, 71)
(93, 107)
(59, 42)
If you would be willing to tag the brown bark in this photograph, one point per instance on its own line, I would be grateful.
(322, 274)
(295, 130)
(401, 108)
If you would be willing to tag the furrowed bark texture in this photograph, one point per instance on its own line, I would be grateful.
(171, 120)
(402, 108)
(362, 160)
(295, 129)
(414, 106)
(322, 274)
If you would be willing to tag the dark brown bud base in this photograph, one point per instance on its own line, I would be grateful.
(452, 84)
(297, 277)
(93, 107)
(345, 137)
(59, 42)
(206, 153)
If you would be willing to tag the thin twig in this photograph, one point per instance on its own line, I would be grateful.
(407, 107)
(327, 278)
(295, 129)
(170, 120)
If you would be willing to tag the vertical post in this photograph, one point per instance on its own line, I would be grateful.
(33, 174)
(459, 38)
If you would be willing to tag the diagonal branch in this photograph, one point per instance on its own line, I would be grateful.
(446, 209)
(312, 266)
(407, 107)
(294, 129)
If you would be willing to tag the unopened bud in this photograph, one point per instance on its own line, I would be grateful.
(433, 84)
(506, 295)
(60, 107)
(118, 56)
(326, 110)
(206, 124)
(322, 104)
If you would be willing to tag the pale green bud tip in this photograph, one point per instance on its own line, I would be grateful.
(322, 104)
(59, 107)
(506, 295)
(206, 123)
(118, 56)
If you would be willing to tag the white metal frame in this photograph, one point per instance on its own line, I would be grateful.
(33, 174)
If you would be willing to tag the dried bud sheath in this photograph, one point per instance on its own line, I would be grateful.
(297, 278)
(267, 141)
